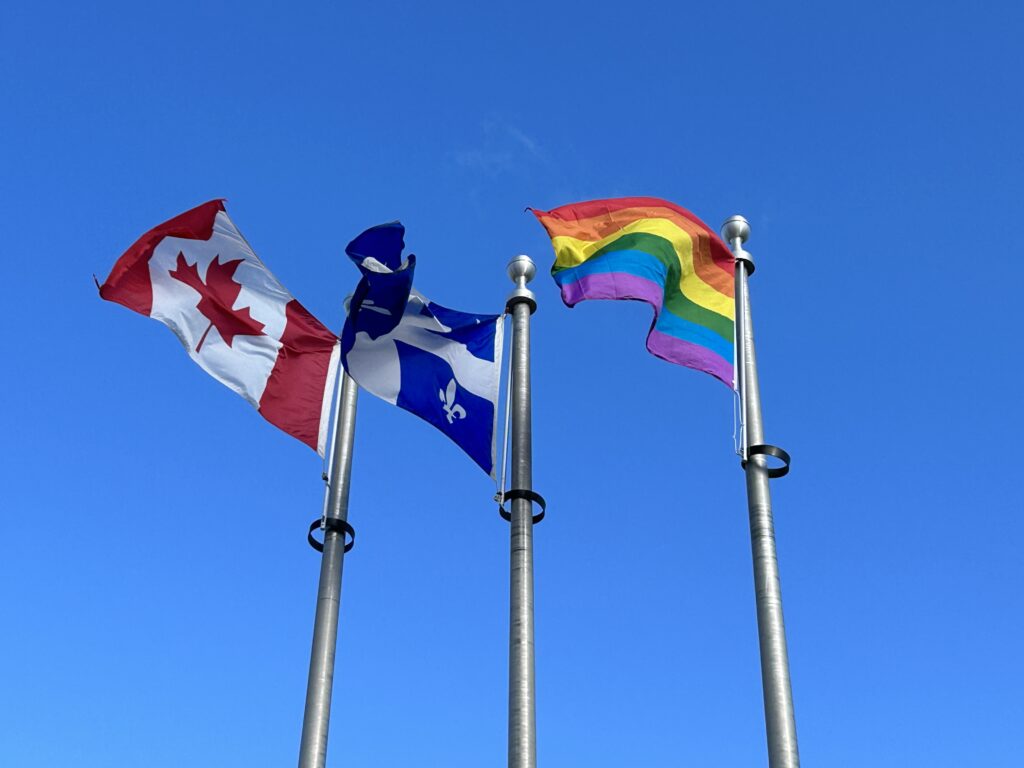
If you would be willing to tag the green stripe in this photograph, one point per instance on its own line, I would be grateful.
(675, 302)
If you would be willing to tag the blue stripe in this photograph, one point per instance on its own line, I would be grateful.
(673, 325)
(639, 263)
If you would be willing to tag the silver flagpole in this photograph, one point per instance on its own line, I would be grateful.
(780, 723)
(522, 717)
(316, 719)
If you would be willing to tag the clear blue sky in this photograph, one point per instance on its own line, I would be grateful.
(155, 584)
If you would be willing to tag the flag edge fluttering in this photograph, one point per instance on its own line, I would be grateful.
(129, 284)
(688, 352)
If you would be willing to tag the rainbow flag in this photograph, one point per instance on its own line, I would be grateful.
(651, 250)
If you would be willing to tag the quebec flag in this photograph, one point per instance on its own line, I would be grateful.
(438, 363)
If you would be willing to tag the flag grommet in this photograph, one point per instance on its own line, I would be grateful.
(769, 450)
(520, 494)
(331, 524)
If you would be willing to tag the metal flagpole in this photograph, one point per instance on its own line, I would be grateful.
(780, 723)
(316, 719)
(522, 717)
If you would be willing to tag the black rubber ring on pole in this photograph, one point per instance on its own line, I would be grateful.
(770, 450)
(331, 524)
(513, 300)
(520, 494)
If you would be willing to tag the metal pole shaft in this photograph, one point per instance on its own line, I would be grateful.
(316, 719)
(780, 722)
(522, 718)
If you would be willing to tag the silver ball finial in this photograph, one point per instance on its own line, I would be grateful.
(521, 270)
(736, 227)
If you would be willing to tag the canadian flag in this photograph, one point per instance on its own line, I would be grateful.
(198, 276)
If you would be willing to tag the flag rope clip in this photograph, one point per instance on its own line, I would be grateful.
(769, 450)
(331, 524)
(521, 494)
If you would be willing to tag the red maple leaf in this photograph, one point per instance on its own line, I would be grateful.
(219, 294)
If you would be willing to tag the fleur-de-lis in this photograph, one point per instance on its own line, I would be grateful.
(452, 411)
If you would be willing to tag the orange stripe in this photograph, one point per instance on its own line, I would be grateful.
(711, 270)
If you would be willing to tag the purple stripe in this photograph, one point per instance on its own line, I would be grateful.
(613, 285)
(622, 285)
(689, 354)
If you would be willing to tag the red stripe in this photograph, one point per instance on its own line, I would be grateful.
(128, 282)
(721, 256)
(294, 396)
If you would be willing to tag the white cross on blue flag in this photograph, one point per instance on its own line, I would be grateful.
(441, 364)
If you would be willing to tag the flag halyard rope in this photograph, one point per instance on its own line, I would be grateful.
(499, 496)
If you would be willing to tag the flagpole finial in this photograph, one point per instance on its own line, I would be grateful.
(736, 231)
(735, 228)
(521, 270)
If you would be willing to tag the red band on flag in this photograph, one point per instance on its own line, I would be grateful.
(128, 283)
(305, 356)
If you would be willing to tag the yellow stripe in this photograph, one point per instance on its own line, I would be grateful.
(569, 252)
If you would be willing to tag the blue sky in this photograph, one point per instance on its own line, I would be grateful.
(157, 590)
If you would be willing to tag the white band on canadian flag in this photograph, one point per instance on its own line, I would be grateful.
(329, 386)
